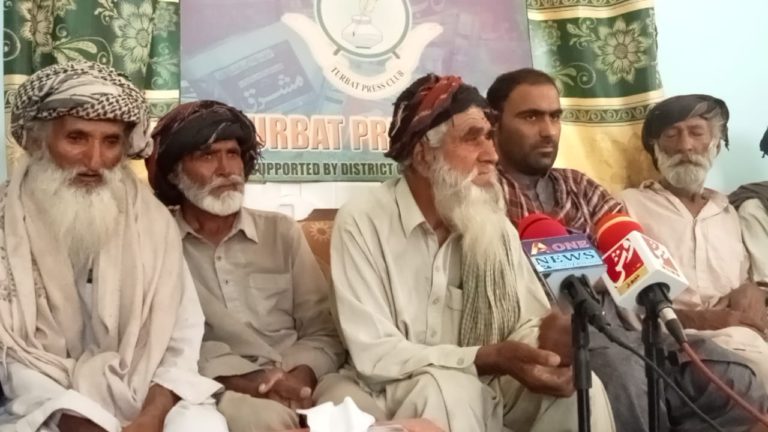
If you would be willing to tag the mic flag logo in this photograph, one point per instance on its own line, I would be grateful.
(561, 253)
(662, 254)
(537, 248)
(625, 265)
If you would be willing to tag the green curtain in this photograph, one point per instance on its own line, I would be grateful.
(137, 37)
(602, 53)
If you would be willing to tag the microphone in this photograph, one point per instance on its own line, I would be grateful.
(640, 271)
(566, 264)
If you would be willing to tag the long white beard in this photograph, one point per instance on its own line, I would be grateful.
(490, 309)
(477, 213)
(688, 174)
(82, 218)
(225, 204)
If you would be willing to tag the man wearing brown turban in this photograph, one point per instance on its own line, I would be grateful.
(270, 338)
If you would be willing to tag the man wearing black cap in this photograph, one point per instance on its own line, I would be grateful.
(269, 335)
(442, 315)
(683, 135)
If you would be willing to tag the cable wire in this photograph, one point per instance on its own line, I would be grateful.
(667, 380)
(719, 383)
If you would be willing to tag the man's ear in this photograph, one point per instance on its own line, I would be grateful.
(422, 157)
(173, 177)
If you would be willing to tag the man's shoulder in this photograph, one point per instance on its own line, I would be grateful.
(646, 189)
(576, 176)
(753, 206)
(270, 220)
(150, 207)
(371, 204)
(649, 193)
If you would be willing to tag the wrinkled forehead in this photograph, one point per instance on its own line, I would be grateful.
(473, 117)
(691, 123)
(69, 123)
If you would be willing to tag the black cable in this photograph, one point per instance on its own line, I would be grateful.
(667, 380)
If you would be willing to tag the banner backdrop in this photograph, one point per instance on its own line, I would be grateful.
(319, 77)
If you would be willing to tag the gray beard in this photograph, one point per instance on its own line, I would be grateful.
(82, 220)
(687, 174)
(225, 204)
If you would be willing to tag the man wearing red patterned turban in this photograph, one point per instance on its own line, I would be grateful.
(438, 307)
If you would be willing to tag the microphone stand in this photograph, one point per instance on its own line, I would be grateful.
(650, 298)
(576, 288)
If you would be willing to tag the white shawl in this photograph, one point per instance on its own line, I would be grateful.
(139, 285)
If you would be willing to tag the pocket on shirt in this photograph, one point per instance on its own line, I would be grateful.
(454, 298)
(271, 297)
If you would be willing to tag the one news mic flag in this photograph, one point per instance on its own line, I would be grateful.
(555, 254)
(639, 269)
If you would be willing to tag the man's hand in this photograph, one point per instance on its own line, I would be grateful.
(251, 382)
(145, 423)
(157, 404)
(748, 298)
(305, 376)
(535, 368)
(555, 336)
(293, 390)
(72, 423)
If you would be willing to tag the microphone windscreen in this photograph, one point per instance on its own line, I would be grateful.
(538, 226)
(613, 228)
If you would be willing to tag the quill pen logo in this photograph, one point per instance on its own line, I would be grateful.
(367, 48)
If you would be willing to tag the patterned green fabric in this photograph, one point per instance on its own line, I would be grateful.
(591, 55)
(137, 37)
(603, 56)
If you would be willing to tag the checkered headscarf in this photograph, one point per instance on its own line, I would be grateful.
(86, 90)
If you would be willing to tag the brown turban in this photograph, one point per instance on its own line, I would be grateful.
(191, 127)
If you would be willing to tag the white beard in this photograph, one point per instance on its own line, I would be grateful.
(477, 213)
(82, 218)
(225, 204)
(688, 174)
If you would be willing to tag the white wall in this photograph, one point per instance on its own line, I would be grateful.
(720, 47)
(299, 199)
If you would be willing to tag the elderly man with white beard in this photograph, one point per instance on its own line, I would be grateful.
(684, 134)
(270, 337)
(99, 320)
(442, 315)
